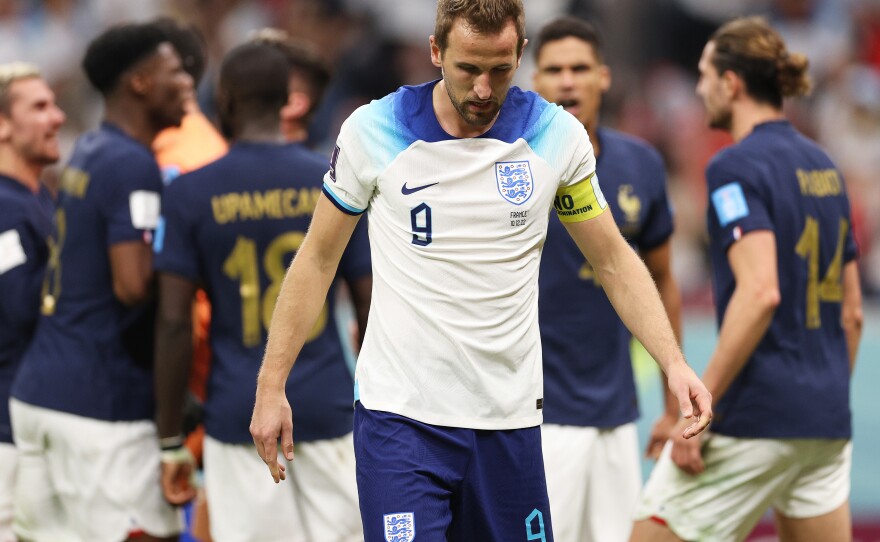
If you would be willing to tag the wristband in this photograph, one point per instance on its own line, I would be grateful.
(178, 456)
(171, 443)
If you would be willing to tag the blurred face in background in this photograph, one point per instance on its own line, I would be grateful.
(30, 126)
(713, 90)
(166, 86)
(477, 70)
(570, 73)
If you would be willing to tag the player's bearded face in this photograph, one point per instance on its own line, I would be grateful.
(473, 110)
(477, 70)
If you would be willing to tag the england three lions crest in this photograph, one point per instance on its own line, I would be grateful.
(400, 527)
(514, 181)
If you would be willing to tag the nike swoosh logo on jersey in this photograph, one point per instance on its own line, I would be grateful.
(405, 190)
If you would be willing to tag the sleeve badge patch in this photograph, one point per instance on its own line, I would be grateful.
(730, 203)
(11, 251)
(144, 206)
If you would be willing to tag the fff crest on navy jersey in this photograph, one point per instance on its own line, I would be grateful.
(514, 179)
(400, 527)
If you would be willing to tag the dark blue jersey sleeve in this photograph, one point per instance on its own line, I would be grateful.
(737, 205)
(132, 202)
(21, 274)
(356, 262)
(658, 225)
(175, 243)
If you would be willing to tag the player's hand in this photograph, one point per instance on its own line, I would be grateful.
(686, 451)
(178, 471)
(660, 433)
(693, 398)
(273, 419)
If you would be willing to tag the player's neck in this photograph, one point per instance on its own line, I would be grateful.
(294, 132)
(15, 167)
(748, 114)
(450, 120)
(134, 121)
(259, 132)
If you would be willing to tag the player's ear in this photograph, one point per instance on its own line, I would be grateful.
(297, 107)
(604, 77)
(139, 83)
(521, 52)
(435, 52)
(731, 84)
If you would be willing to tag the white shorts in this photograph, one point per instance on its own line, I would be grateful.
(316, 503)
(593, 480)
(743, 478)
(82, 479)
(7, 485)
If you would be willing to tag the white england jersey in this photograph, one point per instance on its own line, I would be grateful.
(456, 229)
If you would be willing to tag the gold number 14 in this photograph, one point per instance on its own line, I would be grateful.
(830, 290)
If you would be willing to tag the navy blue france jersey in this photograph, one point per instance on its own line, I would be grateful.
(234, 226)
(91, 354)
(796, 384)
(588, 376)
(25, 227)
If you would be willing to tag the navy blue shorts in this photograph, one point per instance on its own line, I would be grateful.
(430, 483)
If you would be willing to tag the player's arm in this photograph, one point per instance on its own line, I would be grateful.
(746, 320)
(750, 310)
(852, 318)
(131, 208)
(131, 265)
(302, 295)
(173, 358)
(630, 289)
(658, 260)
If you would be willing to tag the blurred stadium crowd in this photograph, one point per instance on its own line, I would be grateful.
(375, 46)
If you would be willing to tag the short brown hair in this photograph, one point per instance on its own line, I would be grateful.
(483, 16)
(10, 73)
(752, 49)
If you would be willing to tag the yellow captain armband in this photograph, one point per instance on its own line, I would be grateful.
(580, 201)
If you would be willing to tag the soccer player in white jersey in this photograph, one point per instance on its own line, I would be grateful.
(459, 176)
(589, 434)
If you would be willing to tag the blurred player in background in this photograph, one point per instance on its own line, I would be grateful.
(459, 175)
(234, 226)
(180, 149)
(29, 124)
(789, 310)
(83, 399)
(589, 436)
(309, 77)
(196, 142)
